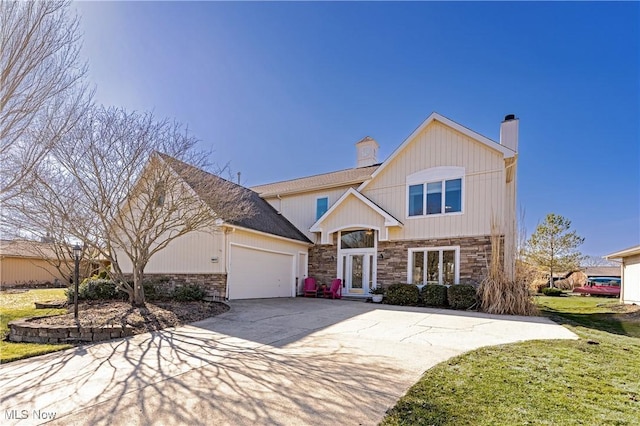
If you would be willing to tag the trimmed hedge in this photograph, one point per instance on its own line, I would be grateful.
(461, 296)
(552, 291)
(434, 295)
(402, 294)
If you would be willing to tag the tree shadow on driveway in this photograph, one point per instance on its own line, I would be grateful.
(263, 362)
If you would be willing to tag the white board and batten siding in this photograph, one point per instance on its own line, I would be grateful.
(300, 209)
(257, 265)
(197, 252)
(631, 280)
(441, 146)
(261, 266)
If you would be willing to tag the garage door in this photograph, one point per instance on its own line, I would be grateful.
(255, 273)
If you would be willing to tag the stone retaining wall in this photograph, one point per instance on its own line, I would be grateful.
(30, 332)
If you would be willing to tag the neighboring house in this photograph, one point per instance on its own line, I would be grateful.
(424, 215)
(581, 277)
(602, 271)
(630, 290)
(31, 263)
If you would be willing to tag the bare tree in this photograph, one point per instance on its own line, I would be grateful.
(596, 261)
(127, 185)
(42, 94)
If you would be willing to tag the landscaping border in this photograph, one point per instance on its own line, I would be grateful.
(24, 330)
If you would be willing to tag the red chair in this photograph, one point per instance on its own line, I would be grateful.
(335, 291)
(310, 287)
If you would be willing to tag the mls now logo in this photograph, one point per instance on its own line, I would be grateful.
(24, 414)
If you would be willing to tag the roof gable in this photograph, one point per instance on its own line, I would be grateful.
(264, 218)
(389, 220)
(506, 152)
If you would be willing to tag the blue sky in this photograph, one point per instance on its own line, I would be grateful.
(284, 90)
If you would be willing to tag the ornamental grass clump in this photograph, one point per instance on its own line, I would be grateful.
(497, 294)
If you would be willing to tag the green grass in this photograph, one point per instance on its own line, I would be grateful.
(593, 380)
(21, 305)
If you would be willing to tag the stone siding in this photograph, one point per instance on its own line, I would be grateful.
(166, 284)
(323, 263)
(475, 254)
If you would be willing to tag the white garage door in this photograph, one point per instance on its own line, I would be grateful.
(256, 274)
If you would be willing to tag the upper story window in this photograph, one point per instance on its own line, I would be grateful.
(322, 205)
(435, 191)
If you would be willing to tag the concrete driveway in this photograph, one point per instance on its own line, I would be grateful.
(275, 361)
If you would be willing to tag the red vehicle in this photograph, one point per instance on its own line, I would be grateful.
(601, 286)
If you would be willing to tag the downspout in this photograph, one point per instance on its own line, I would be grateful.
(279, 204)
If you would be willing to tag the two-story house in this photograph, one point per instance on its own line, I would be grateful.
(424, 215)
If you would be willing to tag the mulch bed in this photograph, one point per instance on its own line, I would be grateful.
(155, 316)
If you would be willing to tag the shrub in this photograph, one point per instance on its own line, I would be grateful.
(402, 294)
(188, 293)
(434, 295)
(155, 288)
(96, 289)
(461, 296)
(552, 291)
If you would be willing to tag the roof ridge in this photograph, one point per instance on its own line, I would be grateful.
(315, 176)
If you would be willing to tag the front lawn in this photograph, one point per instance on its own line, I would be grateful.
(21, 305)
(593, 380)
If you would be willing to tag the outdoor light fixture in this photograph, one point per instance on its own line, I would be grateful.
(77, 253)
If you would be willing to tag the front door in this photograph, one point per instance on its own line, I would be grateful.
(358, 272)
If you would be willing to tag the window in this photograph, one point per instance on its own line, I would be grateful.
(159, 194)
(322, 205)
(415, 200)
(433, 265)
(434, 202)
(356, 239)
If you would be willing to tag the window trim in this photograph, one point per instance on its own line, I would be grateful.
(434, 175)
(326, 210)
(440, 250)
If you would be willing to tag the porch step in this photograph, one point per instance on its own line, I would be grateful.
(356, 298)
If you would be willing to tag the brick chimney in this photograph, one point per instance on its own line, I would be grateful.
(366, 152)
(509, 132)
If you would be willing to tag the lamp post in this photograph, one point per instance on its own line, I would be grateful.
(77, 252)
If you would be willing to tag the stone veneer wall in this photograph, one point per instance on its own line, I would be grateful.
(167, 283)
(322, 262)
(475, 254)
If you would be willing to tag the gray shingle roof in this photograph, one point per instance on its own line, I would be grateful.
(309, 183)
(264, 217)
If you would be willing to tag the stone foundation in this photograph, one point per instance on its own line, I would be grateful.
(475, 255)
(27, 331)
(166, 284)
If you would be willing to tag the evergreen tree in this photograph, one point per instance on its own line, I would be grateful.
(553, 247)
